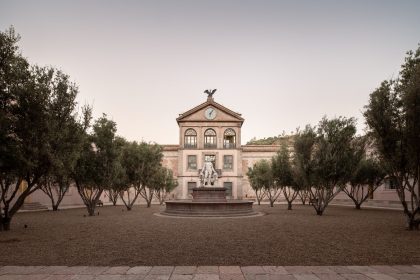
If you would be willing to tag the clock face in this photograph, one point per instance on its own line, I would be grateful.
(210, 113)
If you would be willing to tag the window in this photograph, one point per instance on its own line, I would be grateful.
(192, 162)
(228, 186)
(228, 162)
(190, 140)
(210, 140)
(229, 139)
(191, 185)
(390, 183)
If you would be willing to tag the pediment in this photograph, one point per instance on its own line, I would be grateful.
(197, 114)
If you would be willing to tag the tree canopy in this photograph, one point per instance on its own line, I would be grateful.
(393, 118)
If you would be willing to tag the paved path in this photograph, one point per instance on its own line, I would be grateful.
(402, 272)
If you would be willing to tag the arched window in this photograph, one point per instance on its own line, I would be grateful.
(190, 140)
(229, 139)
(210, 139)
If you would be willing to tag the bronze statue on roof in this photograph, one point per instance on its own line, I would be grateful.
(210, 92)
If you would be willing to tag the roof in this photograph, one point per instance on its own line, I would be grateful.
(210, 101)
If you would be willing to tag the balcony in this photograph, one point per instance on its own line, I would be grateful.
(210, 145)
(190, 146)
(229, 145)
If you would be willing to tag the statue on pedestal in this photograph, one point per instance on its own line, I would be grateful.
(208, 175)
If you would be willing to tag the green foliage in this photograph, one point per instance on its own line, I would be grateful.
(368, 173)
(275, 140)
(323, 159)
(304, 146)
(163, 183)
(141, 162)
(393, 117)
(65, 134)
(36, 125)
(260, 178)
(282, 168)
(98, 164)
(333, 154)
(283, 175)
(261, 175)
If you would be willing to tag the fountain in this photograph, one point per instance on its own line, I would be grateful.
(209, 200)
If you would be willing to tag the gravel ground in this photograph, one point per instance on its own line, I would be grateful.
(343, 236)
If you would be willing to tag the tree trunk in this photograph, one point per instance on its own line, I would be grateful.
(289, 205)
(1, 219)
(55, 207)
(128, 208)
(319, 212)
(271, 203)
(6, 223)
(91, 210)
(358, 206)
(413, 224)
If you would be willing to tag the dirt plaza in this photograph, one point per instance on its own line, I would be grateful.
(116, 237)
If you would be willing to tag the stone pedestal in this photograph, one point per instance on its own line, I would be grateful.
(209, 194)
(209, 202)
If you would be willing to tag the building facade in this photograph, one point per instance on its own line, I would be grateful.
(212, 132)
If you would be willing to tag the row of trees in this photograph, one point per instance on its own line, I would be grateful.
(330, 158)
(47, 144)
(325, 160)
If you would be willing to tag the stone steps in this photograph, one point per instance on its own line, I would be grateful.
(33, 206)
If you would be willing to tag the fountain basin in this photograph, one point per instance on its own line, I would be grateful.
(209, 202)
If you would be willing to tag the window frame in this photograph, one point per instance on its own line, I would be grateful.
(189, 162)
(224, 162)
(228, 133)
(190, 139)
(210, 133)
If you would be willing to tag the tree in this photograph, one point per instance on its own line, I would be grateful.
(98, 162)
(141, 162)
(119, 181)
(24, 127)
(65, 137)
(304, 146)
(393, 118)
(283, 177)
(261, 179)
(331, 160)
(163, 183)
(152, 156)
(255, 183)
(365, 179)
(366, 174)
(131, 160)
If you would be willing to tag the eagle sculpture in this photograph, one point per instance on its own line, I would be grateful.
(210, 92)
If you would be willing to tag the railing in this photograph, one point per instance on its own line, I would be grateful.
(229, 145)
(210, 145)
(190, 146)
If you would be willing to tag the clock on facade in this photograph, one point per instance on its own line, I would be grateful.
(210, 113)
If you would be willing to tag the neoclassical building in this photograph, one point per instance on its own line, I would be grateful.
(212, 132)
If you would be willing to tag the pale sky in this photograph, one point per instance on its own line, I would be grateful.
(281, 64)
